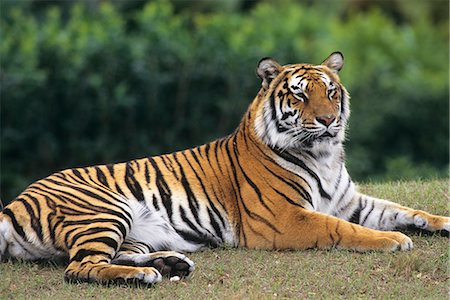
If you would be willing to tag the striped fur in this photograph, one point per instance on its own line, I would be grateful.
(278, 182)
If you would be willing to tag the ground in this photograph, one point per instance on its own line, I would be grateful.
(252, 274)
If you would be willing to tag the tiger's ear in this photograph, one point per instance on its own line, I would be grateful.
(267, 70)
(335, 61)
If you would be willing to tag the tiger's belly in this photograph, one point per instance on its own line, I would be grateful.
(179, 231)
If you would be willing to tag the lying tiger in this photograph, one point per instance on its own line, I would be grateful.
(278, 182)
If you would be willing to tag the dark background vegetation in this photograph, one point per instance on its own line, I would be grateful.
(92, 82)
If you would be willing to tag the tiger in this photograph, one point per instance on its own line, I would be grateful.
(278, 182)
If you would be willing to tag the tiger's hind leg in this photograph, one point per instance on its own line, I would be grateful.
(97, 269)
(91, 260)
(168, 263)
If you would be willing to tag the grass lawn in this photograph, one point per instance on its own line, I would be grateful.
(239, 273)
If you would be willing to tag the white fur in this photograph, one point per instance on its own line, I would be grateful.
(3, 243)
(17, 247)
(155, 229)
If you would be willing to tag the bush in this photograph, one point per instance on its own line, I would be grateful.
(89, 85)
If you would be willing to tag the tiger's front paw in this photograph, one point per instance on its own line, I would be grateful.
(398, 241)
(388, 241)
(432, 223)
(403, 242)
(446, 227)
(420, 222)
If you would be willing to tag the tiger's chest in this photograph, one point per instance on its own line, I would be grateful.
(323, 169)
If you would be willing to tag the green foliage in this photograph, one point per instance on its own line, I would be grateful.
(88, 84)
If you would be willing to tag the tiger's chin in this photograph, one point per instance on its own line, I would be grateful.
(327, 139)
(327, 134)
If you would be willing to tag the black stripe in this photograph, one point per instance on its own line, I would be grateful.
(223, 176)
(249, 181)
(78, 174)
(251, 214)
(216, 153)
(163, 189)
(14, 222)
(110, 242)
(297, 187)
(168, 164)
(206, 149)
(187, 220)
(72, 200)
(214, 224)
(336, 186)
(90, 231)
(88, 174)
(294, 160)
(71, 211)
(96, 262)
(116, 222)
(101, 176)
(211, 204)
(341, 90)
(190, 237)
(50, 217)
(272, 107)
(287, 198)
(336, 230)
(357, 213)
(147, 172)
(52, 224)
(87, 204)
(34, 220)
(192, 200)
(110, 168)
(195, 158)
(236, 191)
(346, 190)
(120, 226)
(92, 194)
(367, 215)
(136, 247)
(222, 197)
(82, 253)
(155, 203)
(82, 188)
(258, 233)
(381, 216)
(132, 184)
(25, 245)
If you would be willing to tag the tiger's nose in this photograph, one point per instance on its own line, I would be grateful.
(325, 120)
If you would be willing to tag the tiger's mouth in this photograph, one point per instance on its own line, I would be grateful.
(319, 138)
(326, 135)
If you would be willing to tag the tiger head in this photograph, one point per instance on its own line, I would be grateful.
(301, 105)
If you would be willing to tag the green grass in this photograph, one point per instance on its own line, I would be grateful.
(239, 273)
